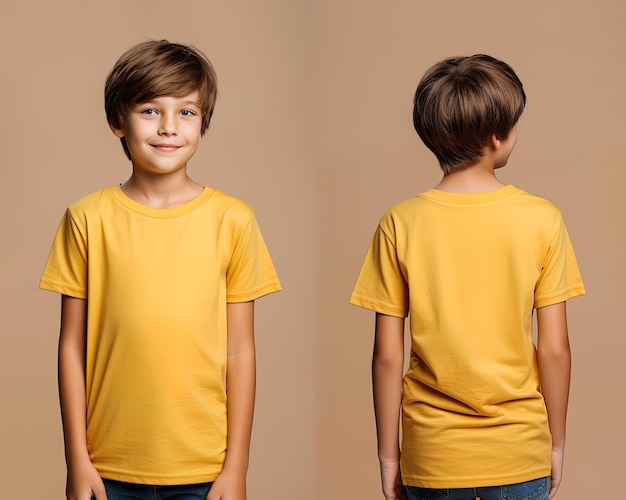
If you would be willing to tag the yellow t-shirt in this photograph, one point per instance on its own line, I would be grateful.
(157, 283)
(469, 269)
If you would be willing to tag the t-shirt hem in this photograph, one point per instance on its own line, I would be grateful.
(255, 293)
(158, 479)
(378, 307)
(569, 293)
(55, 286)
(474, 482)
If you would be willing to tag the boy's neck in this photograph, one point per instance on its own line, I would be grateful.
(477, 178)
(167, 191)
(481, 176)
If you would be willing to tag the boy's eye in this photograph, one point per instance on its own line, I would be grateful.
(187, 112)
(149, 111)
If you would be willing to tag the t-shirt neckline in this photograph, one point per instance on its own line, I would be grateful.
(470, 198)
(161, 213)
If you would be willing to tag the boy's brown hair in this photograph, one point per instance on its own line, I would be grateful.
(154, 69)
(462, 102)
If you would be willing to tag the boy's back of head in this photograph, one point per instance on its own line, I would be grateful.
(154, 69)
(462, 102)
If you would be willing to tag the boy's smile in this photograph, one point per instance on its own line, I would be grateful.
(162, 134)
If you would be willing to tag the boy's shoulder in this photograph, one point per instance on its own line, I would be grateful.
(230, 204)
(508, 199)
(90, 202)
(508, 194)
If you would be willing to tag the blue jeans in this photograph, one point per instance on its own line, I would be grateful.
(118, 490)
(537, 489)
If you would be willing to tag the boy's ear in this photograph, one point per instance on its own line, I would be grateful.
(119, 133)
(494, 142)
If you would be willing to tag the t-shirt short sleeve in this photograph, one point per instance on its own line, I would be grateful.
(381, 285)
(559, 278)
(250, 273)
(66, 268)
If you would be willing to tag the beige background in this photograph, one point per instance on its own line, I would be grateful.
(313, 128)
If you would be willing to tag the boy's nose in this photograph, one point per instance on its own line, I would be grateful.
(168, 126)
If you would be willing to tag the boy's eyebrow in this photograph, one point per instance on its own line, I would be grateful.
(154, 101)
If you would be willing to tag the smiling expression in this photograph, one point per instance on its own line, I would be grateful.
(162, 134)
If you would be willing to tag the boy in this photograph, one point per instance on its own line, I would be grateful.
(483, 412)
(158, 278)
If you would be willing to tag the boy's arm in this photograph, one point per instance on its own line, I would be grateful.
(387, 367)
(83, 481)
(553, 354)
(240, 389)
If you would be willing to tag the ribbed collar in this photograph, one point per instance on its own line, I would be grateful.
(470, 198)
(161, 213)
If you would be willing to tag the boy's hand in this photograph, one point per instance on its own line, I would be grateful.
(84, 483)
(228, 486)
(392, 481)
(557, 470)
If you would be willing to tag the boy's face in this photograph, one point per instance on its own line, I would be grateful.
(162, 134)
